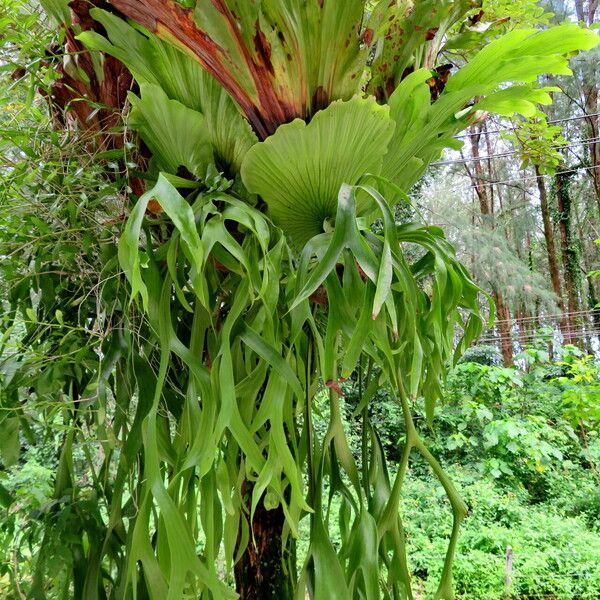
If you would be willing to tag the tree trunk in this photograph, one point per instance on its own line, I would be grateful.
(551, 251)
(591, 107)
(486, 205)
(549, 237)
(591, 93)
(504, 327)
(569, 254)
(478, 179)
(264, 570)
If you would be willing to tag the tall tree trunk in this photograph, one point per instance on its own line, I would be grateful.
(264, 570)
(569, 254)
(588, 297)
(591, 92)
(478, 179)
(592, 106)
(504, 328)
(481, 185)
(551, 250)
(549, 237)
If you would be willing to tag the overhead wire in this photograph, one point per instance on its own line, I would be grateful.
(486, 183)
(443, 163)
(552, 122)
(533, 337)
(555, 316)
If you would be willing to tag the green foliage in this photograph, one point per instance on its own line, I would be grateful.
(156, 62)
(524, 473)
(299, 170)
(482, 355)
(539, 144)
(176, 135)
(180, 395)
(552, 554)
(581, 391)
(275, 328)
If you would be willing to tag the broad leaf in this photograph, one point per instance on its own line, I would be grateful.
(299, 171)
(176, 135)
(155, 61)
(425, 129)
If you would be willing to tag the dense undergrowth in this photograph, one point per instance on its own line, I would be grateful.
(522, 444)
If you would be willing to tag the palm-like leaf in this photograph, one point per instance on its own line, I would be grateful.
(299, 170)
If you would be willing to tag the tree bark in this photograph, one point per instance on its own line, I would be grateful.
(264, 570)
(504, 328)
(486, 207)
(478, 179)
(553, 266)
(591, 92)
(549, 237)
(569, 255)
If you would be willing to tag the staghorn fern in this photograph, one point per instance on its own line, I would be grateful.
(273, 284)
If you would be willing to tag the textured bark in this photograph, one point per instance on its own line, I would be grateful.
(504, 328)
(553, 265)
(592, 107)
(262, 572)
(549, 237)
(478, 178)
(486, 206)
(569, 255)
(586, 13)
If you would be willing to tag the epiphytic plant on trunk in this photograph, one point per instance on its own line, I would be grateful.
(279, 132)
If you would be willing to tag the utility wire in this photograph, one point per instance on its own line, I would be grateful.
(530, 338)
(551, 316)
(526, 178)
(592, 330)
(466, 135)
(443, 163)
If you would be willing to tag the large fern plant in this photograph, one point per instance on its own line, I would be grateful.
(279, 131)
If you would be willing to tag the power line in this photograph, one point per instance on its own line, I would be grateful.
(553, 122)
(591, 330)
(575, 333)
(443, 163)
(551, 316)
(527, 177)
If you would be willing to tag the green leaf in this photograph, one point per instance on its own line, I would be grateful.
(157, 62)
(6, 498)
(300, 169)
(10, 446)
(521, 99)
(58, 10)
(176, 135)
(129, 252)
(520, 57)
